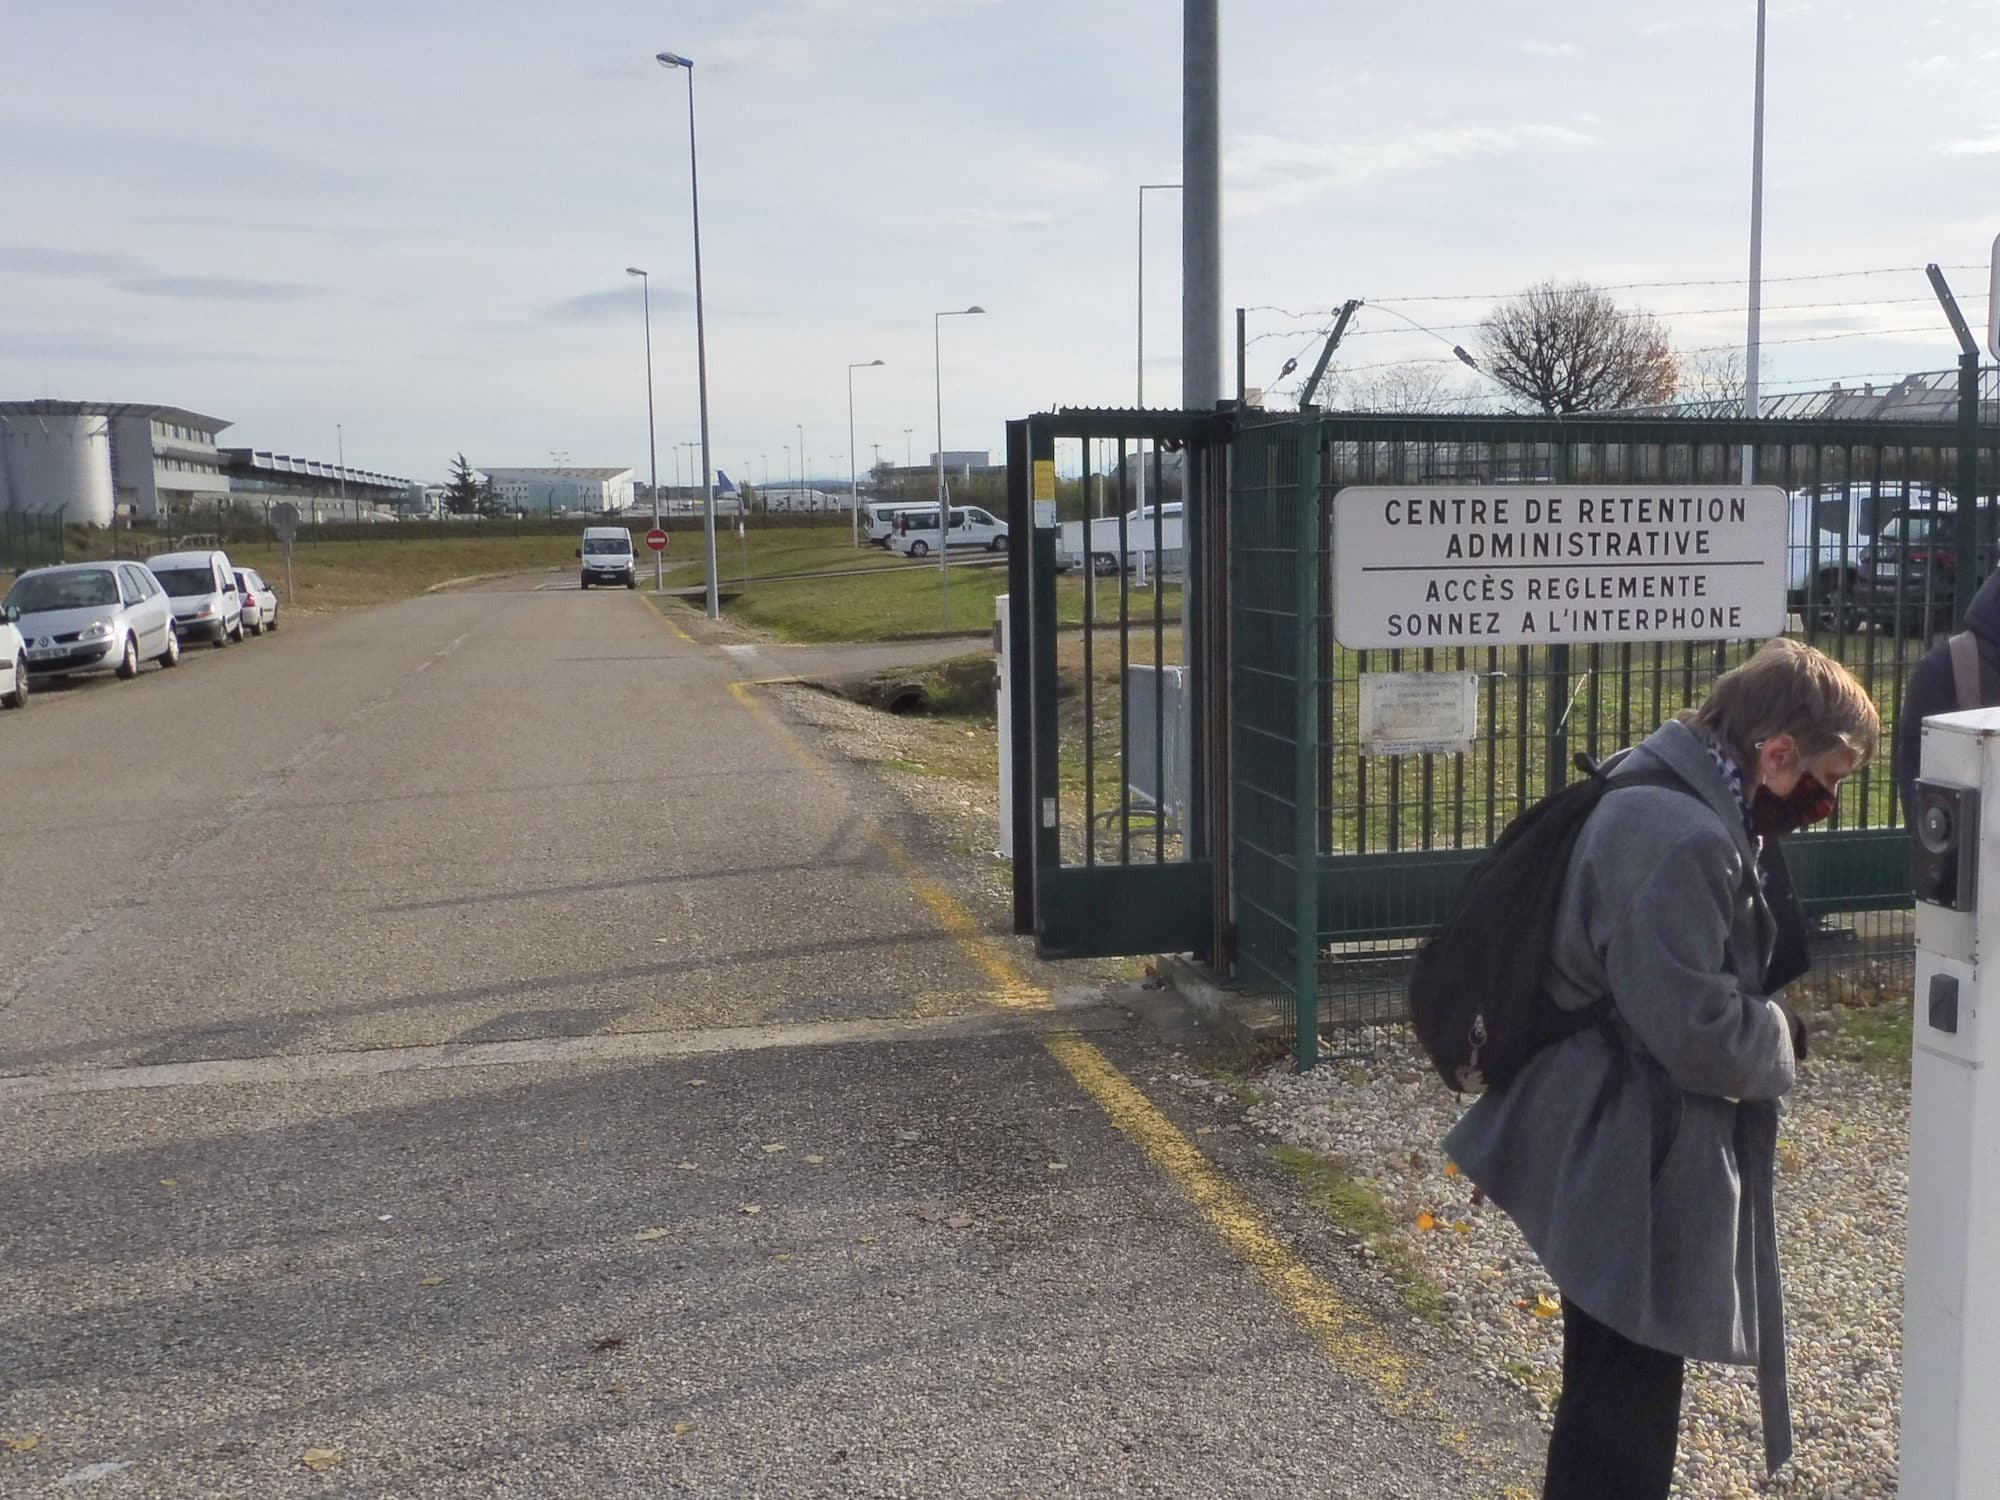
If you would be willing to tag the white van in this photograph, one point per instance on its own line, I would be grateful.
(878, 521)
(916, 533)
(607, 556)
(201, 586)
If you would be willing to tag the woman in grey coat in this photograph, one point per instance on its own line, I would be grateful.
(1638, 1154)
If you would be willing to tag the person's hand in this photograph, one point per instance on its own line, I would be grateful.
(1801, 1038)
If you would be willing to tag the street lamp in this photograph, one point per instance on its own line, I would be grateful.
(944, 510)
(675, 60)
(652, 446)
(853, 489)
(800, 428)
(1145, 188)
(1752, 337)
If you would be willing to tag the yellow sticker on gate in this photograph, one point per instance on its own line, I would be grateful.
(1045, 479)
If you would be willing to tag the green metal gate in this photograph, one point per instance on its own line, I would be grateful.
(1114, 743)
(1341, 860)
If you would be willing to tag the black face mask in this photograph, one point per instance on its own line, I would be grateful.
(1773, 816)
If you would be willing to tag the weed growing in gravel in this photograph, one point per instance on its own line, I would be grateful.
(1355, 1206)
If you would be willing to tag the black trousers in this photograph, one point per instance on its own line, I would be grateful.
(1618, 1424)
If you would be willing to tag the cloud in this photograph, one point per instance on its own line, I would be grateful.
(1984, 145)
(1265, 172)
(82, 345)
(1053, 174)
(220, 288)
(1934, 65)
(612, 305)
(47, 260)
(1551, 49)
(1000, 218)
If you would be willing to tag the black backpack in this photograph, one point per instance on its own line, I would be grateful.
(1478, 993)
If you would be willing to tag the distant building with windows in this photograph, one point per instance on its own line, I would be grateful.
(322, 491)
(553, 491)
(92, 461)
(962, 460)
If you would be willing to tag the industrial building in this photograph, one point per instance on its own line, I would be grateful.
(90, 461)
(322, 491)
(554, 491)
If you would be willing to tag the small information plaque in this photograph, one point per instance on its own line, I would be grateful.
(1418, 713)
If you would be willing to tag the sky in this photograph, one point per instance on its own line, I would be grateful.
(404, 224)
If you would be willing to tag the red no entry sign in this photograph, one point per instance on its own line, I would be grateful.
(656, 539)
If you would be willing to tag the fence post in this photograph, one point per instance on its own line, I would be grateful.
(1305, 747)
(1970, 575)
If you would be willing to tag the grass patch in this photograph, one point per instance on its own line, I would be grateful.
(1874, 1035)
(1358, 1208)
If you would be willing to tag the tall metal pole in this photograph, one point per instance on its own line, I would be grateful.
(1145, 188)
(1751, 351)
(854, 489)
(800, 428)
(944, 509)
(672, 60)
(652, 445)
(1201, 206)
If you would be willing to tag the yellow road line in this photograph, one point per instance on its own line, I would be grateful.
(666, 619)
(1354, 1339)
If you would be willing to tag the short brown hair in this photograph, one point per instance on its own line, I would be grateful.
(1790, 688)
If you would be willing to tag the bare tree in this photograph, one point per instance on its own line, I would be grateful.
(1713, 375)
(1420, 386)
(1568, 348)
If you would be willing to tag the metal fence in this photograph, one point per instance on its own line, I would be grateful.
(30, 539)
(1343, 860)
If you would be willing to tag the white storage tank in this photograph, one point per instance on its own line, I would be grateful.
(58, 463)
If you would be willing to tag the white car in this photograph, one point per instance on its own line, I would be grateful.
(260, 601)
(1831, 529)
(93, 617)
(917, 531)
(13, 663)
(206, 601)
(878, 520)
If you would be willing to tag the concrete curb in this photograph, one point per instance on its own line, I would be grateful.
(1245, 1019)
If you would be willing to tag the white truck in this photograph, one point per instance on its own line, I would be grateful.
(1103, 551)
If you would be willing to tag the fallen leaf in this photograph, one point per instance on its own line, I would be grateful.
(815, 1160)
(697, 1083)
(775, 1146)
(1427, 1221)
(909, 1135)
(867, 1239)
(688, 1166)
(26, 1444)
(319, 1460)
(681, 1429)
(929, 1215)
(1462, 1227)
(170, 1182)
(611, 1342)
(781, 1257)
(1478, 1196)
(959, 1221)
(614, 1390)
(1546, 1306)
(646, 1236)
(1451, 1169)
(753, 1208)
(432, 1281)
(1058, 1166)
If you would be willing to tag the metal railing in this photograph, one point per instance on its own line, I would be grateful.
(31, 539)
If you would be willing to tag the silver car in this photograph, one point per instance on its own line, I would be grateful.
(93, 617)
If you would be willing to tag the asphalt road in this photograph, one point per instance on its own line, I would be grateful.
(466, 1048)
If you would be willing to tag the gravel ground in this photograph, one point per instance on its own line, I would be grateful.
(1842, 1188)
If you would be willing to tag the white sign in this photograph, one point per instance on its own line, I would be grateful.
(1541, 564)
(1418, 713)
(1993, 305)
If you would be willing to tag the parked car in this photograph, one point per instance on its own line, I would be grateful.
(1831, 528)
(93, 617)
(1103, 540)
(608, 557)
(260, 601)
(878, 523)
(13, 663)
(917, 531)
(207, 603)
(1910, 569)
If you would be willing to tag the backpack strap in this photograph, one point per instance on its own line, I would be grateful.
(1965, 669)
